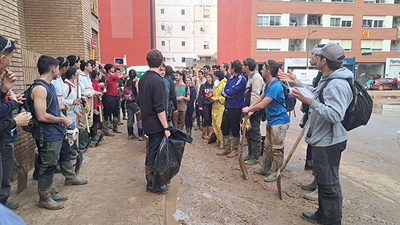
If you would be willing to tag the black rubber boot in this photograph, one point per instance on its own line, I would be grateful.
(115, 125)
(35, 175)
(45, 188)
(256, 146)
(249, 152)
(266, 166)
(141, 135)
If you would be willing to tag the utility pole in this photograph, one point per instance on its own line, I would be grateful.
(308, 44)
(151, 25)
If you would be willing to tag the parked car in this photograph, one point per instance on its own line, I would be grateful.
(384, 84)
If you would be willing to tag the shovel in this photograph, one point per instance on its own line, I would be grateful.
(296, 143)
(22, 177)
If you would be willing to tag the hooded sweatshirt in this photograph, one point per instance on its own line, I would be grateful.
(325, 128)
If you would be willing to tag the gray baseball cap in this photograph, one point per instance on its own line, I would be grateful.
(331, 51)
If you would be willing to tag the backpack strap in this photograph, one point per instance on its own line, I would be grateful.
(69, 88)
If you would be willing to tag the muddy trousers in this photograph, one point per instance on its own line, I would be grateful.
(274, 146)
(7, 161)
(326, 162)
(254, 138)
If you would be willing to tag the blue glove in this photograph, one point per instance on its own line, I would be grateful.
(71, 126)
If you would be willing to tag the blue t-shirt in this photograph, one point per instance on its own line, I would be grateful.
(276, 112)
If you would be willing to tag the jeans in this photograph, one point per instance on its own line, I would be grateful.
(326, 162)
(189, 118)
(154, 145)
(132, 108)
(231, 122)
(7, 158)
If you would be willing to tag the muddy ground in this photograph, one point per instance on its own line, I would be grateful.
(210, 189)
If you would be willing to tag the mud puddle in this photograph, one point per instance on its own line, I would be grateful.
(173, 215)
(387, 110)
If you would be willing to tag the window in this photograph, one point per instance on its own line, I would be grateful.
(341, 21)
(182, 12)
(269, 20)
(183, 28)
(314, 20)
(162, 27)
(183, 43)
(373, 21)
(94, 7)
(346, 44)
(268, 44)
(183, 59)
(396, 1)
(162, 11)
(206, 45)
(162, 43)
(372, 45)
(335, 22)
(206, 11)
(343, 1)
(346, 23)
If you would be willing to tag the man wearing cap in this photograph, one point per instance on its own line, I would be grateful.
(325, 134)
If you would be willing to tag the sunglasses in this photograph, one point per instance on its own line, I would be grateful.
(8, 45)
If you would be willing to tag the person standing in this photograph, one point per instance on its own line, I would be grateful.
(205, 105)
(234, 102)
(198, 82)
(182, 97)
(218, 107)
(190, 106)
(273, 101)
(49, 134)
(132, 107)
(254, 87)
(325, 133)
(151, 96)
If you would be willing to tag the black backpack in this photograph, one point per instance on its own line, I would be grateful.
(360, 108)
(28, 104)
(290, 101)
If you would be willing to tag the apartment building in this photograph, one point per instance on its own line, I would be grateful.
(187, 31)
(368, 30)
(51, 27)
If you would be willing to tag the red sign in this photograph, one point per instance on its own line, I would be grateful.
(94, 43)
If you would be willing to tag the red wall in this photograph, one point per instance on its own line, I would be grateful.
(124, 30)
(234, 29)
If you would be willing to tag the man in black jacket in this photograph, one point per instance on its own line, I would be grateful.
(151, 96)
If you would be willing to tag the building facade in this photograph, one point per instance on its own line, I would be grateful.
(51, 27)
(368, 30)
(125, 31)
(187, 31)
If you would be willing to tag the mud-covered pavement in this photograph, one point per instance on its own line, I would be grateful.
(209, 189)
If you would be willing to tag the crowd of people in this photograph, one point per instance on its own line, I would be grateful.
(77, 102)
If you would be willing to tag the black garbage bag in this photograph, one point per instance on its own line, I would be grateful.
(169, 157)
(168, 161)
(212, 139)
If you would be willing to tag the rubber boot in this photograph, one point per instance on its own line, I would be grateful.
(106, 130)
(265, 170)
(149, 170)
(256, 146)
(249, 152)
(141, 135)
(44, 189)
(234, 147)
(115, 126)
(130, 133)
(227, 146)
(209, 131)
(311, 186)
(204, 133)
(313, 196)
(55, 196)
(67, 170)
(35, 174)
(276, 165)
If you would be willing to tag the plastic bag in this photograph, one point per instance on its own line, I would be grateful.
(168, 161)
(212, 139)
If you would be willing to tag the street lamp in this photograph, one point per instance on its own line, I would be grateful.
(308, 43)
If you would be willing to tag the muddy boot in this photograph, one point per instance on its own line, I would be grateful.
(276, 165)
(265, 170)
(55, 196)
(234, 147)
(311, 186)
(106, 130)
(256, 146)
(313, 196)
(209, 131)
(249, 152)
(308, 165)
(204, 133)
(149, 170)
(37, 168)
(69, 174)
(115, 125)
(44, 189)
(130, 133)
(141, 135)
(226, 146)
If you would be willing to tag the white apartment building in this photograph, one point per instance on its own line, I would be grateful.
(186, 30)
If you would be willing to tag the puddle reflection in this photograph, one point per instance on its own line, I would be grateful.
(387, 110)
(385, 97)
